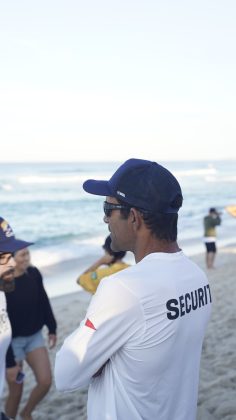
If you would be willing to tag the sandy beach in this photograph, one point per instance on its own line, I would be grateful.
(217, 389)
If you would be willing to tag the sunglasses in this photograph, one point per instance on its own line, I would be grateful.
(108, 207)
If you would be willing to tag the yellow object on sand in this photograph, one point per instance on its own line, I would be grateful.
(231, 210)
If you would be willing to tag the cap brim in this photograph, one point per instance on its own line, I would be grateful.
(97, 187)
(13, 245)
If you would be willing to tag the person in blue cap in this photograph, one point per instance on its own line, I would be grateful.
(139, 345)
(8, 245)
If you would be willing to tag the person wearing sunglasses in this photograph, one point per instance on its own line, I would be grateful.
(110, 262)
(8, 245)
(139, 345)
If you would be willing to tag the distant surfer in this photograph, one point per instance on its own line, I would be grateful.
(210, 222)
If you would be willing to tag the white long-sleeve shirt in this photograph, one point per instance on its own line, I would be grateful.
(5, 338)
(146, 324)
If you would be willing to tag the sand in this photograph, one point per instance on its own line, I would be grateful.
(217, 389)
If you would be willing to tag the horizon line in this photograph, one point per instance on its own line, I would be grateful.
(116, 160)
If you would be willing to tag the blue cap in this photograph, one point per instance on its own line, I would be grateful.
(8, 242)
(142, 184)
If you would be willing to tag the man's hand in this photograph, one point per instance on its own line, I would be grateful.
(107, 259)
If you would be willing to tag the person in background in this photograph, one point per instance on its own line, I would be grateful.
(139, 345)
(29, 310)
(210, 222)
(110, 263)
(8, 245)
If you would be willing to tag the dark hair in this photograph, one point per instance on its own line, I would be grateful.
(107, 247)
(163, 226)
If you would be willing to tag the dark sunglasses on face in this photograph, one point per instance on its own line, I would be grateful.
(108, 207)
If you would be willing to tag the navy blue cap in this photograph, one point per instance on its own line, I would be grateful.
(8, 242)
(142, 184)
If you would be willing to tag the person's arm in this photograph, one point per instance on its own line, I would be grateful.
(90, 281)
(113, 317)
(12, 368)
(216, 219)
(106, 259)
(50, 322)
(92, 276)
(49, 318)
(10, 359)
(12, 372)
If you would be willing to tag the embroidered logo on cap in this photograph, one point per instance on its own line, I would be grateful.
(7, 229)
(120, 193)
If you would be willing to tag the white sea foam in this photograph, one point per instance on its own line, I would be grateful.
(7, 187)
(72, 179)
(196, 172)
(61, 179)
(50, 255)
(225, 179)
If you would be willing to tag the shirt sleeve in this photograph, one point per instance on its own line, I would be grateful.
(215, 221)
(49, 318)
(114, 317)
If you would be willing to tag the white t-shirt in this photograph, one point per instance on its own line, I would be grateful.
(147, 324)
(5, 338)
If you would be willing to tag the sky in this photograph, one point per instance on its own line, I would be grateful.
(110, 80)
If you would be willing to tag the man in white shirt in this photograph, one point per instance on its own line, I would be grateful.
(139, 346)
(8, 245)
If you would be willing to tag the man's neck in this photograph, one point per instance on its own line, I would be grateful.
(154, 246)
(19, 273)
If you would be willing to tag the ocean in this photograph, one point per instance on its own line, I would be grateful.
(45, 203)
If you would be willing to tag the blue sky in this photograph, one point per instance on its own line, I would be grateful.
(107, 80)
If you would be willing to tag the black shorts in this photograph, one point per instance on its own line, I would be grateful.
(210, 246)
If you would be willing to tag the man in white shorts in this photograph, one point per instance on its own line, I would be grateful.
(139, 345)
(8, 245)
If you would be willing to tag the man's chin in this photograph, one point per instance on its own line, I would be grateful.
(8, 276)
(7, 285)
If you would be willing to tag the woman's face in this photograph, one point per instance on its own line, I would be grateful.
(22, 259)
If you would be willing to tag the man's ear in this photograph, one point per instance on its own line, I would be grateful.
(132, 215)
(136, 218)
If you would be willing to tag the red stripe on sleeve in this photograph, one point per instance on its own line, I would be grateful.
(89, 324)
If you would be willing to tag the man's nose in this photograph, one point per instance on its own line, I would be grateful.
(105, 219)
(12, 262)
